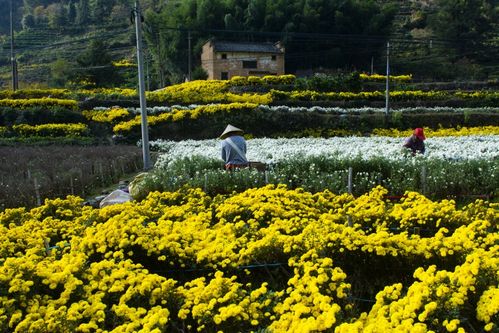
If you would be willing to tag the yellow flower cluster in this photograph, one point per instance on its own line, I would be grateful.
(51, 130)
(402, 95)
(45, 102)
(205, 91)
(123, 63)
(106, 116)
(209, 91)
(179, 115)
(269, 258)
(378, 77)
(484, 94)
(267, 79)
(311, 95)
(311, 303)
(437, 292)
(224, 303)
(119, 92)
(34, 93)
(440, 132)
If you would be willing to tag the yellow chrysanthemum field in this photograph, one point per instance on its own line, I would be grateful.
(269, 259)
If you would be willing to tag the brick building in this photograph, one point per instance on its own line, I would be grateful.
(223, 60)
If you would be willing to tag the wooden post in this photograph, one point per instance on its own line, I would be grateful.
(350, 176)
(266, 177)
(350, 186)
(101, 174)
(47, 247)
(423, 180)
(82, 183)
(37, 192)
(122, 166)
(71, 184)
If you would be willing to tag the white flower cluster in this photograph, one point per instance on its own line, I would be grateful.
(275, 150)
(338, 110)
(162, 109)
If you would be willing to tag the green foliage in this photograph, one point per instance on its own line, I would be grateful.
(322, 172)
(199, 73)
(39, 115)
(96, 66)
(82, 12)
(466, 22)
(324, 82)
(60, 72)
(465, 46)
(38, 141)
(169, 47)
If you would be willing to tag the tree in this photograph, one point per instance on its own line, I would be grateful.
(28, 21)
(40, 15)
(56, 16)
(71, 12)
(82, 12)
(199, 73)
(96, 66)
(60, 72)
(468, 24)
(266, 18)
(255, 14)
(120, 14)
(99, 9)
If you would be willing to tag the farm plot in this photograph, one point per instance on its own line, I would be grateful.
(270, 259)
(452, 167)
(28, 175)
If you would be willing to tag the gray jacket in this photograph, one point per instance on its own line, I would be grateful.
(230, 154)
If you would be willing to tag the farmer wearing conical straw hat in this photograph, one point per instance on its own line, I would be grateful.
(233, 148)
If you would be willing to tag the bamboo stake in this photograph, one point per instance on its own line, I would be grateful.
(350, 186)
(37, 192)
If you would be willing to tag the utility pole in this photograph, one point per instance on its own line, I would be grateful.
(148, 87)
(12, 57)
(387, 91)
(142, 94)
(189, 38)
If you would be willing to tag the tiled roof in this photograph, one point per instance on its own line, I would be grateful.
(222, 46)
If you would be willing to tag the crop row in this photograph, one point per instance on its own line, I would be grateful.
(234, 81)
(454, 147)
(204, 92)
(451, 166)
(436, 178)
(268, 259)
(205, 121)
(30, 174)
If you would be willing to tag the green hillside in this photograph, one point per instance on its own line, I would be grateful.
(87, 43)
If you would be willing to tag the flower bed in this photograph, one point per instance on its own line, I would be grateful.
(266, 259)
(276, 150)
(452, 167)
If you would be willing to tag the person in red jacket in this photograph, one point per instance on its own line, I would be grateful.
(416, 142)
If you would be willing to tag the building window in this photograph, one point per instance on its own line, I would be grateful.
(274, 57)
(224, 76)
(249, 63)
(224, 55)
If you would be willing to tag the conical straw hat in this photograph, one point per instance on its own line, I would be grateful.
(231, 130)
